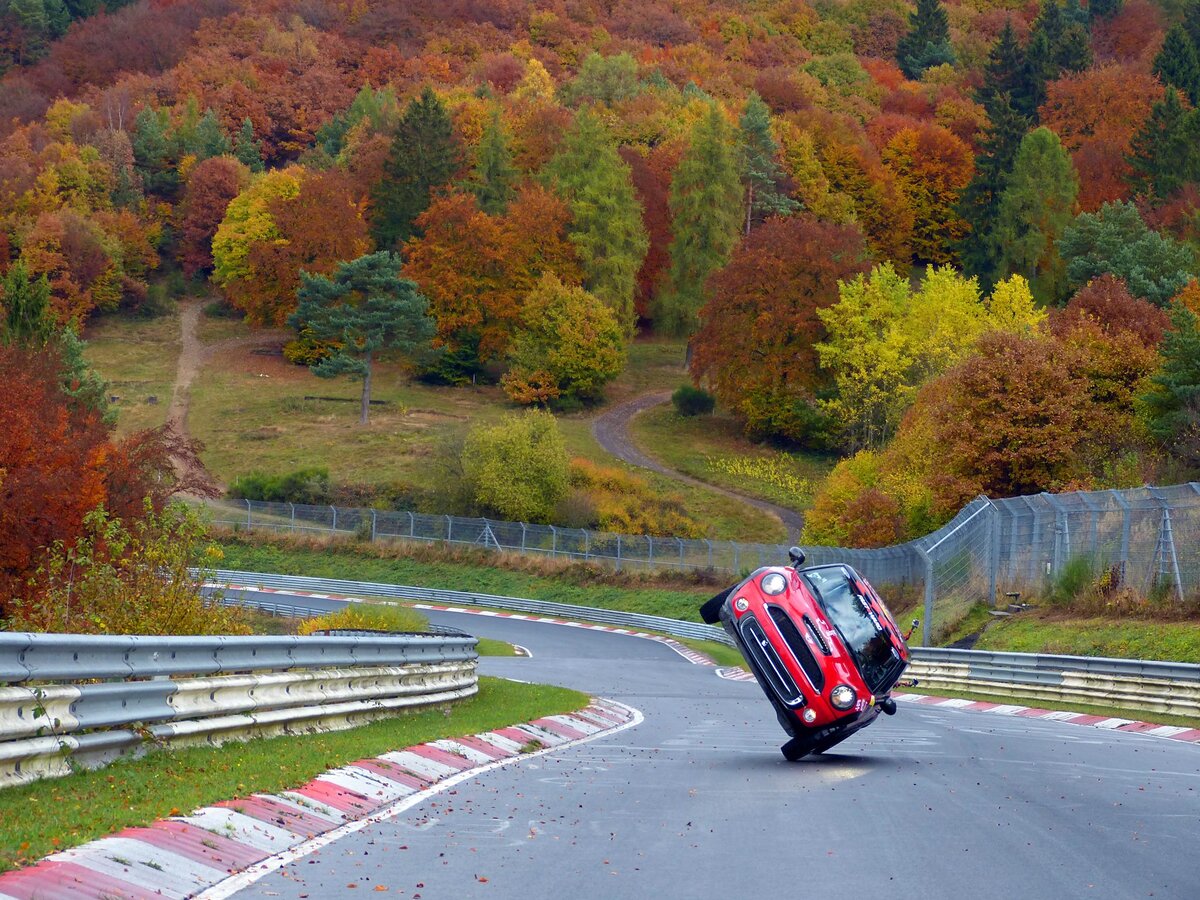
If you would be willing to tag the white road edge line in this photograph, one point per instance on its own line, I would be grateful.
(235, 883)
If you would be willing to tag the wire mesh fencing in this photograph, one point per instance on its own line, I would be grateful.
(1147, 539)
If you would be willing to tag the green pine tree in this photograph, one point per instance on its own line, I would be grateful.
(424, 154)
(706, 211)
(760, 169)
(367, 307)
(1165, 153)
(606, 226)
(1103, 9)
(153, 152)
(1176, 64)
(1036, 206)
(26, 304)
(1172, 405)
(980, 200)
(209, 138)
(495, 175)
(1191, 22)
(1004, 73)
(1058, 43)
(927, 43)
(248, 151)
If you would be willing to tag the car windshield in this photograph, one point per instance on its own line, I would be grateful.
(860, 629)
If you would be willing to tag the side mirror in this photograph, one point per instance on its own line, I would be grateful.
(796, 555)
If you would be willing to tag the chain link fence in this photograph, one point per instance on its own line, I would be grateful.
(1145, 538)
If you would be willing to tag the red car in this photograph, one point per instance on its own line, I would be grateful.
(822, 645)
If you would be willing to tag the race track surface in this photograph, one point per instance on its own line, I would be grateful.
(698, 802)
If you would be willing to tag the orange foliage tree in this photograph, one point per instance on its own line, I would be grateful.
(755, 343)
(1096, 113)
(210, 187)
(477, 269)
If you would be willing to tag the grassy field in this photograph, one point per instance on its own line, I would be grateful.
(138, 358)
(578, 586)
(43, 817)
(713, 449)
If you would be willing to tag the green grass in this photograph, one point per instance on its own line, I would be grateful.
(714, 450)
(138, 358)
(1126, 638)
(655, 364)
(343, 562)
(40, 818)
(493, 647)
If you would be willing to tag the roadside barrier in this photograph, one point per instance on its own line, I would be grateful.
(1163, 687)
(83, 700)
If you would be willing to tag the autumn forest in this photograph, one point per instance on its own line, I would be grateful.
(952, 246)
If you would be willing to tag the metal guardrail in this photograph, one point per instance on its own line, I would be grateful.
(674, 627)
(70, 700)
(1163, 687)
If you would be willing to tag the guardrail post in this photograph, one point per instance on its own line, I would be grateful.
(1195, 486)
(373, 526)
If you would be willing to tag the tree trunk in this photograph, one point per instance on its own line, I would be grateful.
(366, 393)
(749, 206)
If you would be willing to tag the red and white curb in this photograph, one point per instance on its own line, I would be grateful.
(1109, 723)
(692, 656)
(219, 850)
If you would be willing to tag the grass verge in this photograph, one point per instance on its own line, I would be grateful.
(493, 647)
(578, 585)
(138, 358)
(1126, 638)
(47, 816)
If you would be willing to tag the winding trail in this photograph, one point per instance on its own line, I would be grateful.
(193, 355)
(611, 429)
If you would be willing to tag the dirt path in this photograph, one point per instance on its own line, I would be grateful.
(612, 431)
(193, 355)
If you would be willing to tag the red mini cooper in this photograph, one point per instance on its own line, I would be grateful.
(822, 645)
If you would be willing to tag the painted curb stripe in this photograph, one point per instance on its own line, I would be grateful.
(258, 834)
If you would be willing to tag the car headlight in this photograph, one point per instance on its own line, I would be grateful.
(741, 604)
(773, 583)
(842, 696)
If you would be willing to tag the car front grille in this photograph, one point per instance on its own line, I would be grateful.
(768, 662)
(795, 641)
(817, 636)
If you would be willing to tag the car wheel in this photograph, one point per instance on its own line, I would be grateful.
(797, 748)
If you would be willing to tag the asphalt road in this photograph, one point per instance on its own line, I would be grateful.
(697, 802)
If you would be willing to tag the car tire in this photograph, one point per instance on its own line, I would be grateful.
(797, 748)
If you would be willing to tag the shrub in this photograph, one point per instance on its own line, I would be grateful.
(1077, 578)
(517, 468)
(693, 401)
(623, 502)
(367, 617)
(310, 486)
(308, 349)
(127, 578)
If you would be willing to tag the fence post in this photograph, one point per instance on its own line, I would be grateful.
(247, 515)
(293, 506)
(1035, 540)
(681, 565)
(372, 526)
(927, 625)
(553, 542)
(1164, 551)
(523, 530)
(1126, 525)
(412, 525)
(993, 551)
(334, 528)
(587, 544)
(710, 554)
(449, 530)
(650, 558)
(618, 553)
(736, 567)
